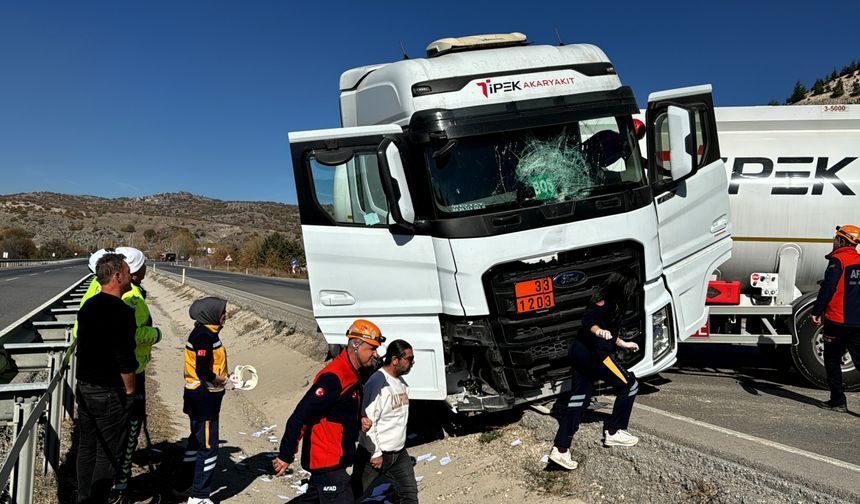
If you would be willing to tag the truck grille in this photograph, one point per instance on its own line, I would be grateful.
(534, 345)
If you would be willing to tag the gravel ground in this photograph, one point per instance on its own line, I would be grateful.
(660, 471)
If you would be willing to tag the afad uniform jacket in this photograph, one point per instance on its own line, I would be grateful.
(328, 418)
(839, 296)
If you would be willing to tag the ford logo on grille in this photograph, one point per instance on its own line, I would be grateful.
(569, 279)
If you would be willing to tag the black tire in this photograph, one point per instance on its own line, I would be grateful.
(808, 355)
(334, 351)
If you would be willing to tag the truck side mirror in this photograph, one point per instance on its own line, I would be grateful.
(680, 139)
(394, 183)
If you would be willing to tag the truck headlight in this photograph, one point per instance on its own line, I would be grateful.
(661, 332)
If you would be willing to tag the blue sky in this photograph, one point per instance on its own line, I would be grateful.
(135, 98)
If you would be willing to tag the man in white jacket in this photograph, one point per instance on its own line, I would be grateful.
(381, 450)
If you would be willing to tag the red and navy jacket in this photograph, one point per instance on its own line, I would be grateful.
(328, 418)
(839, 296)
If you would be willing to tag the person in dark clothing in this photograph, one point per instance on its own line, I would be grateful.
(838, 302)
(591, 359)
(328, 418)
(205, 379)
(105, 376)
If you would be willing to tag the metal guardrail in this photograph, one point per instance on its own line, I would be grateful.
(24, 404)
(269, 308)
(18, 263)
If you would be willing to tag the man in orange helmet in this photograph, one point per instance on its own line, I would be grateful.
(328, 418)
(839, 302)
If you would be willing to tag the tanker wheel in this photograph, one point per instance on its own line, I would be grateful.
(808, 355)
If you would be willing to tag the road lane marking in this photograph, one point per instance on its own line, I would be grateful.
(33, 274)
(13, 278)
(754, 439)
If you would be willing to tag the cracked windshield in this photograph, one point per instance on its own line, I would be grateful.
(534, 167)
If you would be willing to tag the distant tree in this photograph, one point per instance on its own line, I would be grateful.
(57, 248)
(798, 94)
(250, 252)
(833, 75)
(818, 87)
(184, 243)
(855, 90)
(838, 89)
(149, 235)
(128, 228)
(775, 102)
(17, 243)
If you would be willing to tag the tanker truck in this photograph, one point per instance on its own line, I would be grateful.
(474, 200)
(794, 177)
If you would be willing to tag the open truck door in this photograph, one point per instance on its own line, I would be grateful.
(690, 185)
(356, 215)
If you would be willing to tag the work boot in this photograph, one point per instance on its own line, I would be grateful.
(128, 497)
(832, 405)
(140, 498)
(563, 459)
(620, 438)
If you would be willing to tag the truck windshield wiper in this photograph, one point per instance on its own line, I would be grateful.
(446, 149)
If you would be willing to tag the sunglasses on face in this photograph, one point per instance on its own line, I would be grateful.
(411, 358)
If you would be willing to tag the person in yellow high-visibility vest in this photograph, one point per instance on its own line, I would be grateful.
(146, 336)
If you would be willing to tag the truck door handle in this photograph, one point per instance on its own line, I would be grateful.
(336, 298)
(719, 223)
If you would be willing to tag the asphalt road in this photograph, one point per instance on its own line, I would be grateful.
(24, 289)
(730, 387)
(286, 290)
(741, 389)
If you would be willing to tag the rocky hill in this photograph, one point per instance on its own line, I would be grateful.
(841, 87)
(145, 222)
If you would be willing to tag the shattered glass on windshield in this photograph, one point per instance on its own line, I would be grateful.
(533, 167)
(554, 168)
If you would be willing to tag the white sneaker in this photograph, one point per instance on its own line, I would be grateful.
(198, 500)
(563, 459)
(620, 438)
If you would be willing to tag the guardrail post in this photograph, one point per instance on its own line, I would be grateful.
(22, 477)
(183, 276)
(71, 379)
(55, 416)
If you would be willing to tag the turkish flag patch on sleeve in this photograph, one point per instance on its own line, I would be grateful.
(319, 392)
(201, 353)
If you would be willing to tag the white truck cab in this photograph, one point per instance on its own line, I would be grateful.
(473, 201)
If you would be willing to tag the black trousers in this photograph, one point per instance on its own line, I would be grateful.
(397, 467)
(330, 487)
(586, 370)
(834, 348)
(101, 413)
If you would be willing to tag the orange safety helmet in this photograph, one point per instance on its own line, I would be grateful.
(366, 331)
(849, 233)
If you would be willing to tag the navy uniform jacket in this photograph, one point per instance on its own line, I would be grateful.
(839, 296)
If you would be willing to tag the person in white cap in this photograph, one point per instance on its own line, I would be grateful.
(146, 336)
